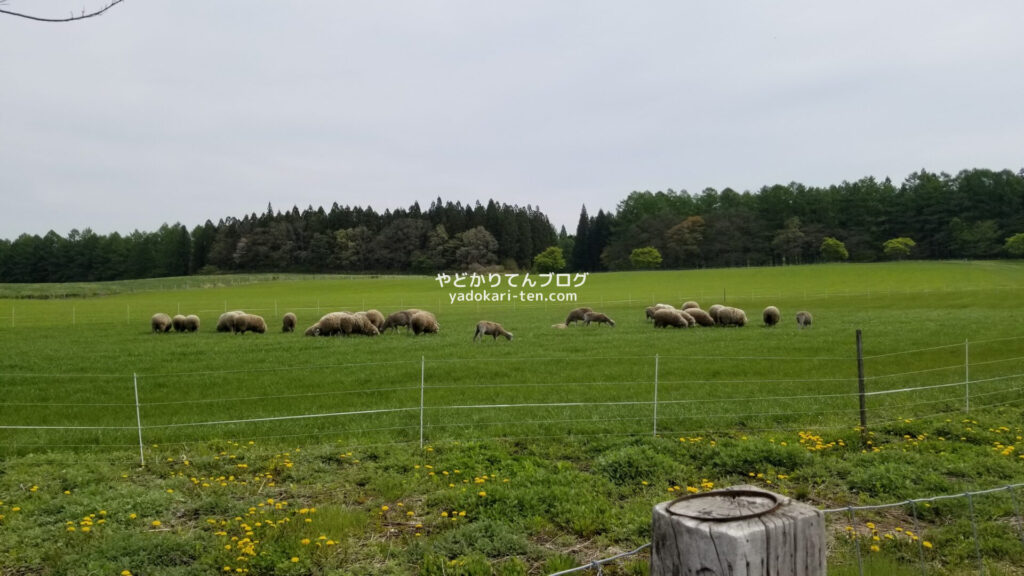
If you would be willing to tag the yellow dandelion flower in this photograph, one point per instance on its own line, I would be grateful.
(926, 544)
(155, 523)
(875, 548)
(295, 559)
(482, 494)
(304, 541)
(384, 508)
(126, 573)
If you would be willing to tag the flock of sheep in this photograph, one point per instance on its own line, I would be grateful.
(372, 322)
(690, 314)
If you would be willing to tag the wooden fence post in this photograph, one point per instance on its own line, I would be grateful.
(738, 531)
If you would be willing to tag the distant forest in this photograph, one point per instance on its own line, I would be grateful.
(969, 215)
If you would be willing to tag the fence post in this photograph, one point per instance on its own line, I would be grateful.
(423, 364)
(74, 314)
(860, 388)
(967, 377)
(742, 530)
(138, 418)
(655, 395)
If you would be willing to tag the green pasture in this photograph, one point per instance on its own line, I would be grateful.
(578, 431)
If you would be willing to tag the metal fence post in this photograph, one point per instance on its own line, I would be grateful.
(655, 395)
(860, 387)
(423, 364)
(967, 377)
(138, 418)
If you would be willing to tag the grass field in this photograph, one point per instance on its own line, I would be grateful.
(556, 429)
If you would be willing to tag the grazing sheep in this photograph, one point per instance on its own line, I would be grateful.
(559, 326)
(400, 318)
(289, 323)
(700, 317)
(649, 312)
(226, 320)
(685, 314)
(804, 318)
(690, 304)
(191, 323)
(242, 323)
(313, 330)
(178, 322)
(664, 307)
(364, 325)
(729, 316)
(334, 323)
(771, 316)
(713, 312)
(597, 317)
(484, 328)
(424, 323)
(376, 318)
(674, 318)
(577, 315)
(160, 322)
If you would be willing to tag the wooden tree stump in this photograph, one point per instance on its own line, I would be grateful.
(738, 531)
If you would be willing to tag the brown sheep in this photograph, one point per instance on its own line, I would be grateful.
(713, 312)
(243, 323)
(424, 323)
(178, 322)
(597, 317)
(400, 318)
(160, 322)
(226, 320)
(804, 319)
(700, 317)
(191, 323)
(729, 316)
(666, 317)
(649, 312)
(484, 328)
(771, 316)
(689, 304)
(288, 323)
(577, 315)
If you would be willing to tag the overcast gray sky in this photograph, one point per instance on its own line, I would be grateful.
(182, 111)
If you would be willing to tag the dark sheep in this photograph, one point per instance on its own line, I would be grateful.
(400, 318)
(577, 315)
(771, 316)
(288, 323)
(804, 319)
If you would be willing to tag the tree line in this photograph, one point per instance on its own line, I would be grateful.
(928, 216)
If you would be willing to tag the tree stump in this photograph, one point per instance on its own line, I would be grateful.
(738, 531)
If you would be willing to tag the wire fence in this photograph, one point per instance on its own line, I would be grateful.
(427, 400)
(912, 534)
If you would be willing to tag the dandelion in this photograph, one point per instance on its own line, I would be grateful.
(295, 559)
(384, 508)
(133, 516)
(305, 541)
(156, 523)
(875, 548)
(126, 573)
(927, 544)
(482, 494)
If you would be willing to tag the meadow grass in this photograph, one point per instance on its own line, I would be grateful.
(567, 417)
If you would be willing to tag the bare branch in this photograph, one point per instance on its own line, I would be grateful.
(71, 18)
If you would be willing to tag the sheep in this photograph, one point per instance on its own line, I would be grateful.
(729, 316)
(804, 319)
(288, 324)
(700, 317)
(333, 323)
(577, 315)
(160, 322)
(649, 312)
(242, 323)
(771, 316)
(484, 328)
(400, 318)
(376, 318)
(674, 318)
(713, 312)
(685, 315)
(664, 306)
(423, 323)
(690, 304)
(364, 325)
(597, 317)
(313, 330)
(559, 326)
(226, 321)
(191, 323)
(178, 322)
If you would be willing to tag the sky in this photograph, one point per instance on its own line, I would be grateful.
(164, 111)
